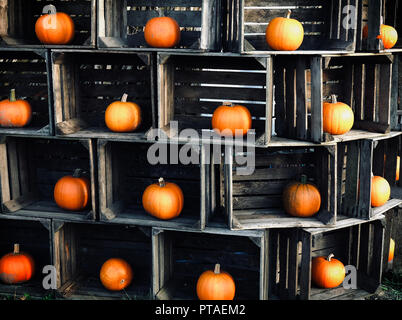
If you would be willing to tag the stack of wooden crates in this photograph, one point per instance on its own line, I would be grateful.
(228, 218)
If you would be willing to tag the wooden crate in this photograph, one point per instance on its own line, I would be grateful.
(353, 242)
(18, 18)
(86, 82)
(125, 173)
(27, 72)
(191, 87)
(121, 23)
(396, 94)
(357, 161)
(393, 12)
(246, 21)
(80, 250)
(180, 257)
(30, 168)
(33, 236)
(303, 83)
(254, 201)
(391, 232)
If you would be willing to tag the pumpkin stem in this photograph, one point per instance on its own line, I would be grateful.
(78, 173)
(124, 97)
(303, 179)
(227, 103)
(161, 182)
(12, 95)
(16, 248)
(217, 269)
(330, 257)
(333, 98)
(288, 14)
(49, 9)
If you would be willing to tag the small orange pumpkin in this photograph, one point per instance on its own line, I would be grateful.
(391, 250)
(327, 272)
(215, 285)
(72, 192)
(123, 116)
(162, 32)
(229, 120)
(116, 274)
(380, 191)
(388, 35)
(15, 113)
(284, 34)
(163, 200)
(301, 199)
(338, 117)
(16, 267)
(398, 165)
(54, 27)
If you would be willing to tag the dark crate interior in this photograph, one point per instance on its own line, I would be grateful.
(35, 167)
(193, 253)
(33, 238)
(18, 18)
(89, 246)
(132, 174)
(26, 72)
(201, 84)
(86, 84)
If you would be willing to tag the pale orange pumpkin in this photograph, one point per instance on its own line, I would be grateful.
(54, 27)
(163, 200)
(327, 272)
(123, 116)
(229, 120)
(162, 32)
(284, 34)
(338, 117)
(72, 192)
(15, 113)
(380, 191)
(391, 250)
(216, 285)
(16, 267)
(301, 199)
(116, 274)
(388, 35)
(398, 165)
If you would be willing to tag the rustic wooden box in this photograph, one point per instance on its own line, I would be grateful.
(80, 250)
(246, 21)
(352, 241)
(304, 82)
(191, 87)
(30, 168)
(33, 236)
(357, 161)
(180, 257)
(121, 23)
(125, 173)
(391, 231)
(18, 18)
(27, 72)
(255, 201)
(86, 82)
(396, 93)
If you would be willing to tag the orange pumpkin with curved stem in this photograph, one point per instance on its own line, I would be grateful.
(338, 117)
(229, 120)
(163, 200)
(327, 272)
(15, 113)
(54, 27)
(216, 285)
(123, 116)
(72, 192)
(16, 267)
(162, 32)
(380, 191)
(284, 34)
(116, 274)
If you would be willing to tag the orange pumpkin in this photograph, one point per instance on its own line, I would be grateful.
(215, 285)
(380, 191)
(116, 274)
(327, 272)
(16, 267)
(163, 200)
(388, 35)
(54, 27)
(162, 32)
(123, 116)
(398, 165)
(284, 34)
(15, 113)
(338, 117)
(72, 192)
(301, 199)
(391, 250)
(229, 120)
